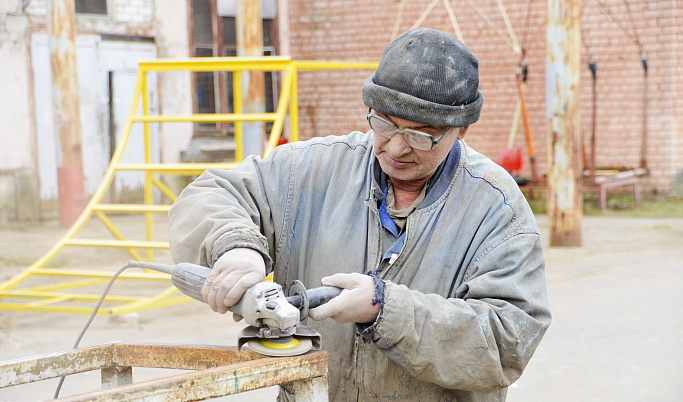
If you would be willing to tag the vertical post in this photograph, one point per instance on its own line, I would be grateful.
(115, 376)
(66, 109)
(594, 74)
(237, 108)
(149, 189)
(294, 104)
(311, 389)
(643, 145)
(250, 44)
(565, 205)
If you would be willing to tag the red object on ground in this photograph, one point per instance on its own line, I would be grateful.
(281, 141)
(510, 159)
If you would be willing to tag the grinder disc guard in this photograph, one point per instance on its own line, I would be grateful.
(302, 334)
(279, 347)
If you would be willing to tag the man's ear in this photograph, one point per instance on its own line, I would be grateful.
(462, 132)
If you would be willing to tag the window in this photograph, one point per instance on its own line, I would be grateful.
(91, 7)
(215, 35)
(204, 46)
(230, 49)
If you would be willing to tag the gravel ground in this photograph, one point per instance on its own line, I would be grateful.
(615, 334)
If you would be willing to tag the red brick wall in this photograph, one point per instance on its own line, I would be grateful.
(330, 102)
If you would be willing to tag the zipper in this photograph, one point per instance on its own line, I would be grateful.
(378, 224)
(400, 253)
(356, 374)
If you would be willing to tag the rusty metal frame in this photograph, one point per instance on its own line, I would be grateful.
(219, 371)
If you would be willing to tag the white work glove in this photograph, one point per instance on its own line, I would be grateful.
(354, 303)
(233, 273)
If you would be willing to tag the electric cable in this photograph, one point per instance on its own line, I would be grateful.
(131, 264)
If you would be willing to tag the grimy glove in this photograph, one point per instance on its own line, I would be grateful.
(233, 273)
(354, 303)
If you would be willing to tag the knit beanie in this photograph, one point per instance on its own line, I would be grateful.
(429, 77)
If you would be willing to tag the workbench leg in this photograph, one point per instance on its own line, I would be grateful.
(636, 193)
(603, 198)
(114, 376)
(311, 390)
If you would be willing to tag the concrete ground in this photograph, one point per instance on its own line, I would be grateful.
(615, 333)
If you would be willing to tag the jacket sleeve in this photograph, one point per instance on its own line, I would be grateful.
(482, 339)
(225, 209)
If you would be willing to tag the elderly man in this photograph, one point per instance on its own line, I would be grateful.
(436, 248)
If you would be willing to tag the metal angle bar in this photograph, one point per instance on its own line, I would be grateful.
(186, 357)
(132, 208)
(218, 381)
(48, 301)
(333, 65)
(175, 168)
(68, 296)
(64, 285)
(101, 274)
(206, 117)
(165, 190)
(117, 243)
(163, 299)
(54, 365)
(265, 63)
(285, 96)
(49, 309)
(115, 232)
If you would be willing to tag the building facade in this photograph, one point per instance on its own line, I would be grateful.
(638, 117)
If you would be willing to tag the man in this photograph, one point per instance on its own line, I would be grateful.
(436, 248)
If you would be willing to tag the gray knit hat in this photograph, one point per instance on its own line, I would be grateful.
(429, 77)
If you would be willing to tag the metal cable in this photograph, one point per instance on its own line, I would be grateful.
(131, 264)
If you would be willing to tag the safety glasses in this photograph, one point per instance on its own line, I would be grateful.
(415, 138)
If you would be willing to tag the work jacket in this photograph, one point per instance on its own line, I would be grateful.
(465, 303)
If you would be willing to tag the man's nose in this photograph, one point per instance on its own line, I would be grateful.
(398, 145)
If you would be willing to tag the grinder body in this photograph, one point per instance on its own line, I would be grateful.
(263, 305)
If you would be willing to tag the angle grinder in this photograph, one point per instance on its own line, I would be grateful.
(273, 318)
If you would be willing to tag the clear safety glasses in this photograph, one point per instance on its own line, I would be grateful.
(415, 138)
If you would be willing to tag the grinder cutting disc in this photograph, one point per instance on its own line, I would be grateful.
(279, 347)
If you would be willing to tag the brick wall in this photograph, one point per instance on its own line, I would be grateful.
(330, 103)
(135, 10)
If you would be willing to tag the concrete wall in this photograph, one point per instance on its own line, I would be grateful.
(18, 178)
(21, 22)
(172, 18)
(359, 30)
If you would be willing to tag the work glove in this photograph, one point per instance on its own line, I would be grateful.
(354, 303)
(233, 273)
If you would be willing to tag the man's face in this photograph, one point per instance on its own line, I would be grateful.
(402, 162)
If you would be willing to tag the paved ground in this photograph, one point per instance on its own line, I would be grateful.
(615, 336)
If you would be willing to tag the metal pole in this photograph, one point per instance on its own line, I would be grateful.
(250, 44)
(643, 145)
(66, 109)
(565, 204)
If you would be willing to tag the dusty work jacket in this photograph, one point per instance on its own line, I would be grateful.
(465, 302)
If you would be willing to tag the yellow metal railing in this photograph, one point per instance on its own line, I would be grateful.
(58, 295)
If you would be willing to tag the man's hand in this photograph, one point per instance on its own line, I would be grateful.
(233, 273)
(354, 303)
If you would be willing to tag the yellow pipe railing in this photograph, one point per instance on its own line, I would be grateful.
(54, 296)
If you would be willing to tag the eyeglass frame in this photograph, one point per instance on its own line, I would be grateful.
(402, 131)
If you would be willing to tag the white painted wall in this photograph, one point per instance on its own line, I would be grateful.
(16, 142)
(175, 88)
(95, 58)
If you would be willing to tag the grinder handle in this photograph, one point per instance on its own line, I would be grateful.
(189, 279)
(319, 296)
